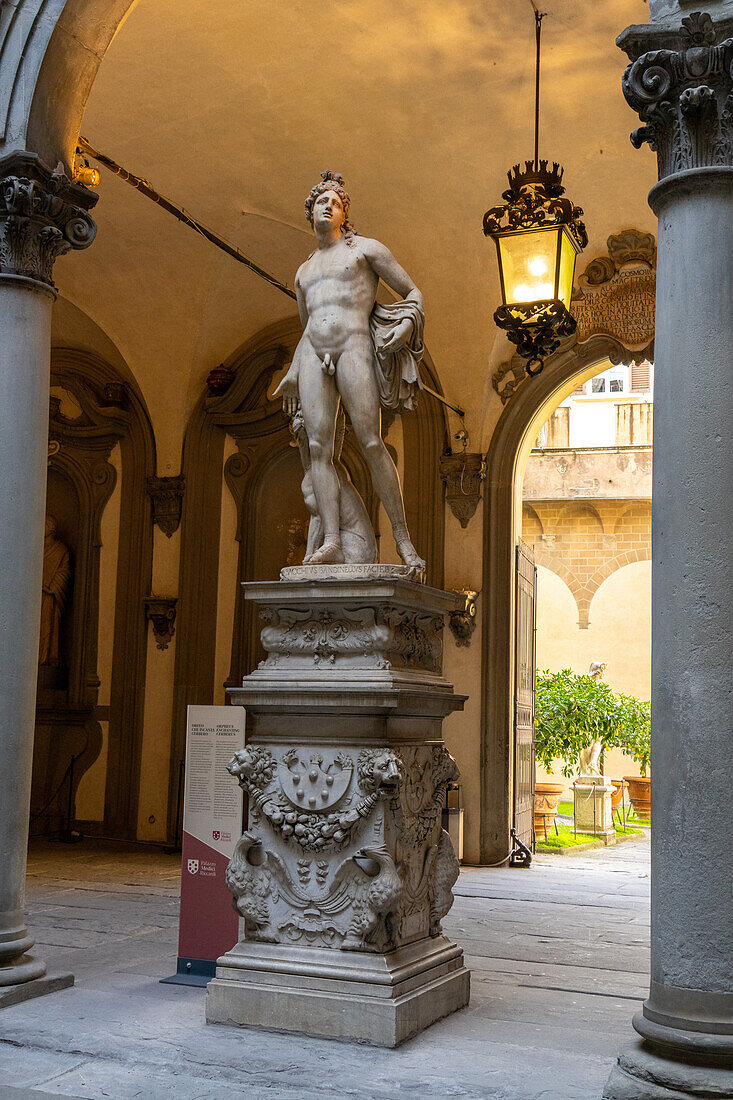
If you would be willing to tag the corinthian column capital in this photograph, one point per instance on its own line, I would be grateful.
(43, 214)
(681, 84)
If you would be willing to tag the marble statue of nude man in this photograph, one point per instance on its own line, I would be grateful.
(354, 351)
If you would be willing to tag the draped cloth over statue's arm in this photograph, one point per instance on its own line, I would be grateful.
(397, 373)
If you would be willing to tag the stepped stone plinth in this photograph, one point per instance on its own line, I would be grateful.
(344, 872)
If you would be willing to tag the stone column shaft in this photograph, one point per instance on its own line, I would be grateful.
(692, 606)
(42, 215)
(681, 84)
(25, 324)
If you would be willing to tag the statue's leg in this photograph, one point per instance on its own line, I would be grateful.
(319, 403)
(358, 388)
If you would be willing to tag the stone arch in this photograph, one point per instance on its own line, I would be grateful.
(628, 557)
(51, 51)
(112, 413)
(532, 529)
(511, 441)
(635, 513)
(580, 513)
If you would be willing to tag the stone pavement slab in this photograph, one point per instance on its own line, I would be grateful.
(558, 958)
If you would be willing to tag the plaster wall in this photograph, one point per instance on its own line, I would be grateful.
(156, 741)
(91, 789)
(619, 633)
(462, 667)
(227, 594)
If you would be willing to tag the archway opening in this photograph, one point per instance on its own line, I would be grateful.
(586, 517)
(539, 413)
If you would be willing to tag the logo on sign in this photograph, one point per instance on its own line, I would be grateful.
(193, 866)
(216, 834)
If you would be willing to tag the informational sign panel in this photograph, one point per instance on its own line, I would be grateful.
(212, 825)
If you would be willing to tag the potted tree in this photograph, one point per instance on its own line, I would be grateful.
(577, 717)
(636, 743)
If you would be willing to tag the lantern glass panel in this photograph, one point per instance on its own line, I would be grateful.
(529, 263)
(568, 254)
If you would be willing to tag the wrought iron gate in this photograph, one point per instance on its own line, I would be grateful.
(524, 696)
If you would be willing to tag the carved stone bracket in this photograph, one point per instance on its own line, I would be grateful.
(42, 216)
(166, 494)
(463, 620)
(462, 475)
(161, 612)
(219, 379)
(616, 295)
(683, 94)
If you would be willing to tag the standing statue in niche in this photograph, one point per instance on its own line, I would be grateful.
(354, 351)
(56, 580)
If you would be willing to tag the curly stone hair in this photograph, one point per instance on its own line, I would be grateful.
(330, 181)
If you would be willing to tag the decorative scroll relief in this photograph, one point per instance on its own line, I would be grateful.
(366, 867)
(38, 223)
(684, 97)
(369, 637)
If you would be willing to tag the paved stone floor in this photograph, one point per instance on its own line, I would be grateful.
(558, 956)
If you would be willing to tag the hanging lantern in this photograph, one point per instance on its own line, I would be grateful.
(538, 236)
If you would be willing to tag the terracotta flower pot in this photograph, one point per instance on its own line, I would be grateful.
(640, 793)
(618, 794)
(546, 798)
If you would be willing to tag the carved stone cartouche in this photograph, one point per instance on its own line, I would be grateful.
(462, 474)
(346, 888)
(166, 494)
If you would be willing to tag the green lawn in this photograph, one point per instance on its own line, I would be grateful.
(566, 809)
(566, 838)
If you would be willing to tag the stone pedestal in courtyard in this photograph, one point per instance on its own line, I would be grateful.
(344, 872)
(593, 806)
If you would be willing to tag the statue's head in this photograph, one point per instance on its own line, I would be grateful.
(329, 200)
(50, 526)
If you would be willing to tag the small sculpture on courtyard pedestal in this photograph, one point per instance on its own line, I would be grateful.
(590, 758)
(354, 351)
(56, 581)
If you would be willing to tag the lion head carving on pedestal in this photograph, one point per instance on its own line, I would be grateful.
(379, 769)
(252, 767)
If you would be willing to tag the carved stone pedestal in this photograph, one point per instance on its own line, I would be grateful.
(593, 812)
(344, 872)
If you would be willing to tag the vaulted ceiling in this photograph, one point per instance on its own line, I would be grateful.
(233, 107)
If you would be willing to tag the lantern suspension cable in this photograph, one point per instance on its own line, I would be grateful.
(538, 17)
